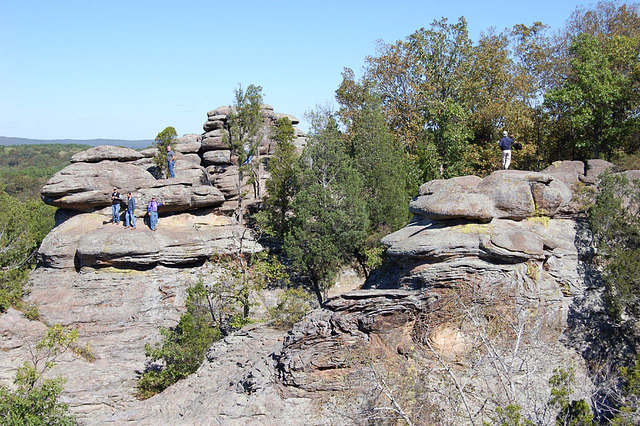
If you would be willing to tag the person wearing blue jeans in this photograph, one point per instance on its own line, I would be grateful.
(152, 209)
(130, 216)
(171, 160)
(115, 206)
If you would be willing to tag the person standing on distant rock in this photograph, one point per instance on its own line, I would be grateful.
(115, 206)
(505, 145)
(130, 216)
(171, 160)
(152, 209)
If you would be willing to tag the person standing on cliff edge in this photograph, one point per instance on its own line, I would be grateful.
(171, 160)
(505, 145)
(152, 209)
(115, 206)
(130, 216)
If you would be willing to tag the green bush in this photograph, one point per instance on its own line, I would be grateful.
(23, 226)
(182, 348)
(292, 306)
(35, 400)
(615, 222)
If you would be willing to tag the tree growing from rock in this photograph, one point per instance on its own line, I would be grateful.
(242, 136)
(35, 399)
(23, 225)
(165, 138)
(281, 183)
(183, 347)
(329, 215)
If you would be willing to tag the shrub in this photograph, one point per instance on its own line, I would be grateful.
(182, 348)
(35, 400)
(292, 306)
(615, 221)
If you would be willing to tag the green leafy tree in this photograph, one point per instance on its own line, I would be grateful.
(165, 138)
(598, 101)
(243, 136)
(23, 226)
(182, 348)
(281, 184)
(424, 83)
(571, 412)
(233, 292)
(35, 400)
(629, 411)
(329, 215)
(292, 306)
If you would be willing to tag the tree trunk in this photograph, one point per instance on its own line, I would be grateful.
(318, 291)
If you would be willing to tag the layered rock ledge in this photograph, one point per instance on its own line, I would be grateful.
(193, 223)
(483, 263)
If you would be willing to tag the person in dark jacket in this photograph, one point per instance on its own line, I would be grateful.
(505, 145)
(130, 216)
(152, 209)
(115, 206)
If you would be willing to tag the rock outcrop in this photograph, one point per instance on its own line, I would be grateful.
(118, 286)
(471, 311)
(192, 224)
(483, 264)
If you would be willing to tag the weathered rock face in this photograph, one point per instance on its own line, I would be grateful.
(115, 311)
(106, 152)
(118, 286)
(86, 186)
(484, 263)
(236, 385)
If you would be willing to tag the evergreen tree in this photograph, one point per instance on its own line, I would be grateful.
(280, 185)
(243, 137)
(329, 214)
(165, 138)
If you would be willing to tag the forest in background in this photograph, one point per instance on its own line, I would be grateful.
(24, 169)
(571, 95)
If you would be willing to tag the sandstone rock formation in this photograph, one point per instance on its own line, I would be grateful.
(83, 239)
(118, 286)
(483, 263)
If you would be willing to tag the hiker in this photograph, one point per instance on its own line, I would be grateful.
(171, 160)
(152, 209)
(115, 206)
(130, 216)
(505, 145)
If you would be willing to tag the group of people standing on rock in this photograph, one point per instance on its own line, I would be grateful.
(505, 144)
(152, 206)
(130, 217)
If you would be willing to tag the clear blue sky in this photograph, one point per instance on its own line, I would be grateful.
(87, 69)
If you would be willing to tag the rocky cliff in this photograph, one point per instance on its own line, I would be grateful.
(469, 314)
(118, 286)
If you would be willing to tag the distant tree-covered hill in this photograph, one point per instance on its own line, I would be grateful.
(24, 169)
(135, 144)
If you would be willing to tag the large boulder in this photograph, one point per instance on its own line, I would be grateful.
(188, 143)
(218, 157)
(90, 240)
(87, 186)
(106, 152)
